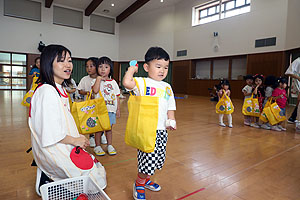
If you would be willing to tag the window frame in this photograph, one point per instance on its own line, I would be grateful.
(11, 77)
(221, 13)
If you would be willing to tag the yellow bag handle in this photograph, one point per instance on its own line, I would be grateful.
(137, 85)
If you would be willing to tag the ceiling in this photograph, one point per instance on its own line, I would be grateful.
(114, 11)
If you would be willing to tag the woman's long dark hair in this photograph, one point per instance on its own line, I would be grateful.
(48, 55)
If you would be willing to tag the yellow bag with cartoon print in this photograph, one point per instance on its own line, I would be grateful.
(91, 116)
(27, 97)
(263, 117)
(224, 106)
(142, 121)
(279, 115)
(251, 107)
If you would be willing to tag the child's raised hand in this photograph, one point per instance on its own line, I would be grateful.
(133, 64)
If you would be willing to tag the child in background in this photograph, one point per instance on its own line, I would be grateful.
(156, 65)
(259, 92)
(270, 82)
(224, 87)
(110, 92)
(35, 71)
(247, 91)
(279, 94)
(71, 89)
(85, 87)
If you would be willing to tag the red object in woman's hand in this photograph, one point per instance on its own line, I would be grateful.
(82, 196)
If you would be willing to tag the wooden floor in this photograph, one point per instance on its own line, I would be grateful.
(204, 161)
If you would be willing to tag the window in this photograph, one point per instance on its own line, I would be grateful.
(23, 9)
(67, 17)
(203, 69)
(238, 68)
(13, 71)
(220, 69)
(211, 11)
(102, 24)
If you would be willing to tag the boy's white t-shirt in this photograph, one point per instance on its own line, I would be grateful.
(159, 89)
(85, 84)
(110, 91)
(51, 121)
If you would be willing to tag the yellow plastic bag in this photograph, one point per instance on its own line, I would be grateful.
(224, 106)
(251, 107)
(277, 112)
(27, 97)
(91, 116)
(142, 122)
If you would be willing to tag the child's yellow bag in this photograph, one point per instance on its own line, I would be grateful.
(251, 107)
(277, 112)
(263, 117)
(27, 97)
(142, 122)
(224, 106)
(91, 116)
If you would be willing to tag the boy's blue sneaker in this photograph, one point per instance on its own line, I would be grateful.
(152, 186)
(139, 192)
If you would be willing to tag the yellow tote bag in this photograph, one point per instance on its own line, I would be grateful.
(263, 117)
(277, 112)
(27, 97)
(91, 116)
(142, 122)
(251, 107)
(270, 116)
(224, 106)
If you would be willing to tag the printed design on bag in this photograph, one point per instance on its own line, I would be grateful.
(222, 108)
(28, 99)
(85, 109)
(256, 108)
(91, 122)
(281, 113)
(228, 105)
(249, 109)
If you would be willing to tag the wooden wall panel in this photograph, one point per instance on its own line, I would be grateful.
(200, 87)
(272, 63)
(180, 75)
(116, 74)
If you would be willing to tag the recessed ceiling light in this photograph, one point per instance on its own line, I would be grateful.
(113, 4)
(161, 1)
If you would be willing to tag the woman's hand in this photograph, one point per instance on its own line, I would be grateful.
(81, 141)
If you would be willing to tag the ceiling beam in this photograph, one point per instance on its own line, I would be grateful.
(92, 7)
(131, 9)
(48, 3)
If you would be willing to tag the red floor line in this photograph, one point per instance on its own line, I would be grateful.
(190, 194)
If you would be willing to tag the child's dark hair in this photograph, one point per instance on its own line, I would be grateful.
(37, 58)
(259, 76)
(224, 82)
(249, 76)
(281, 80)
(157, 53)
(106, 60)
(270, 81)
(93, 59)
(48, 55)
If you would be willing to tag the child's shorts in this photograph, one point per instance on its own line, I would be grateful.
(112, 118)
(149, 162)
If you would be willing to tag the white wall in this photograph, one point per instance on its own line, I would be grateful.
(293, 25)
(144, 29)
(19, 35)
(237, 34)
(171, 28)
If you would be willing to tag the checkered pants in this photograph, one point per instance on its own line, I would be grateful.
(149, 162)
